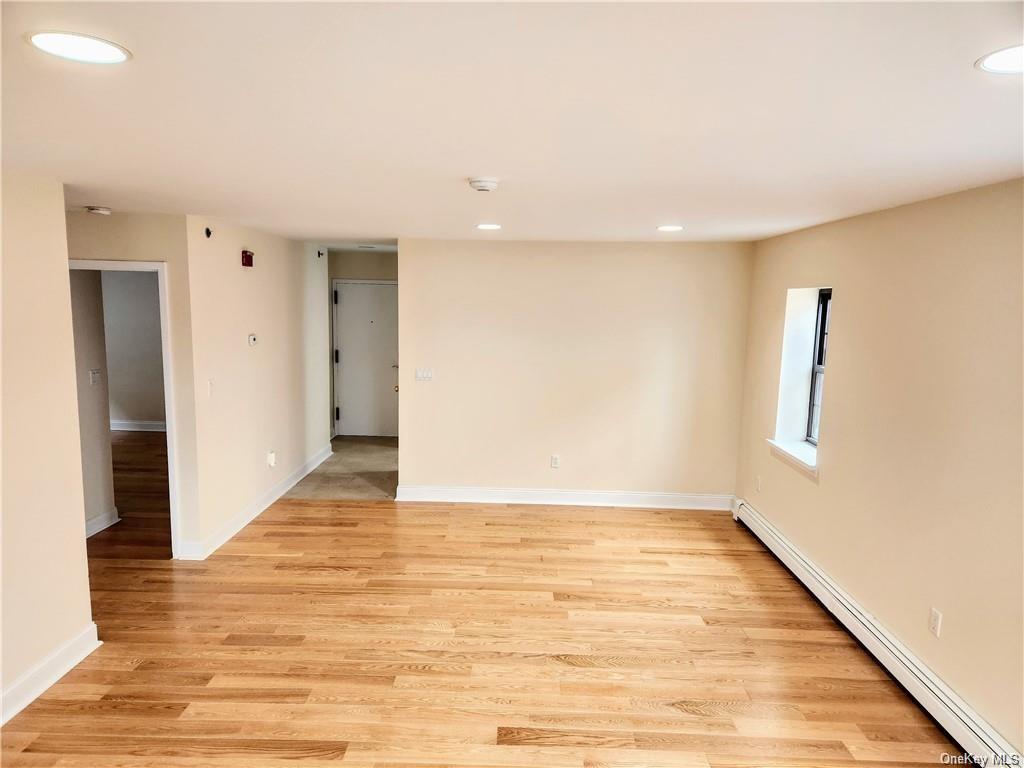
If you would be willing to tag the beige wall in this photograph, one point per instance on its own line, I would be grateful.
(93, 408)
(155, 237)
(919, 498)
(251, 400)
(626, 360)
(45, 581)
(131, 315)
(363, 265)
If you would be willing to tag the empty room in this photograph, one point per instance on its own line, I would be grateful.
(566, 385)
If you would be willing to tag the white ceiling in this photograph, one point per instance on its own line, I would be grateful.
(351, 122)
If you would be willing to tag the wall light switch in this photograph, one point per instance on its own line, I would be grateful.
(556, 461)
(935, 622)
(271, 458)
(94, 377)
(424, 374)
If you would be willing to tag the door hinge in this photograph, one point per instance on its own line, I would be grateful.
(335, 295)
(337, 413)
(336, 357)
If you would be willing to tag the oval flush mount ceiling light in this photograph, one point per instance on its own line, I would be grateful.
(1008, 61)
(489, 227)
(670, 228)
(77, 47)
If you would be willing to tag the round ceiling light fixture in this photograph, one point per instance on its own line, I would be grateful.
(670, 228)
(489, 227)
(78, 47)
(1008, 61)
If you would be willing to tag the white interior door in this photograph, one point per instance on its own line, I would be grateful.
(366, 357)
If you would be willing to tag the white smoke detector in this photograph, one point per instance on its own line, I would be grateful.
(483, 183)
(99, 210)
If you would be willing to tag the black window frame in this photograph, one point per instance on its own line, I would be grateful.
(820, 351)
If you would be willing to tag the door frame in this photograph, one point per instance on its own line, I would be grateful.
(336, 284)
(170, 415)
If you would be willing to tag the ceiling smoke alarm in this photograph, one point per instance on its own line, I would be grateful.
(99, 210)
(483, 183)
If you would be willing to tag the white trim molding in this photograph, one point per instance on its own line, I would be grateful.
(200, 550)
(30, 685)
(968, 728)
(645, 499)
(101, 522)
(119, 425)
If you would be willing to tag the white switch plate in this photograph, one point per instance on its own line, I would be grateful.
(935, 622)
(271, 458)
(556, 461)
(94, 377)
(424, 374)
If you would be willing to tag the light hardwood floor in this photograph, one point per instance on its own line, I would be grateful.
(415, 635)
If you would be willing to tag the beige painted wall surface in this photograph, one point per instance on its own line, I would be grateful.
(919, 499)
(363, 265)
(93, 403)
(131, 315)
(624, 359)
(269, 397)
(155, 237)
(45, 579)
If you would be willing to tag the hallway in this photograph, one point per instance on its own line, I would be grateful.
(359, 468)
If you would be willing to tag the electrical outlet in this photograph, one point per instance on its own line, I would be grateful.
(935, 622)
(271, 458)
(556, 461)
(758, 483)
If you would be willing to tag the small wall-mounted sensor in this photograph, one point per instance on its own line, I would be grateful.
(483, 183)
(246, 258)
(252, 339)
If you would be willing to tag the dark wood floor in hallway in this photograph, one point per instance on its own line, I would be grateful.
(142, 499)
(372, 633)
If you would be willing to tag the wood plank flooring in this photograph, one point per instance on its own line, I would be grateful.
(143, 503)
(370, 633)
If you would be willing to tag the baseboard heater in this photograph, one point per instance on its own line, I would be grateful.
(963, 724)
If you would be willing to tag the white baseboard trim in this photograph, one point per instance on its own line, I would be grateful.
(138, 426)
(477, 495)
(970, 730)
(101, 522)
(30, 685)
(200, 550)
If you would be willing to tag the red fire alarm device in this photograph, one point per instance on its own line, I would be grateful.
(246, 258)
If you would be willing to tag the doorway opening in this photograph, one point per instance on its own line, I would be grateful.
(120, 313)
(364, 384)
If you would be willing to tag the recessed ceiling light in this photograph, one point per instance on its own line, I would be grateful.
(71, 45)
(1009, 61)
(489, 227)
(670, 228)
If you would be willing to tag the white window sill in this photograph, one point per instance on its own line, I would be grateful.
(802, 454)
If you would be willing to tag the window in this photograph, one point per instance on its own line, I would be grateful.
(818, 364)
